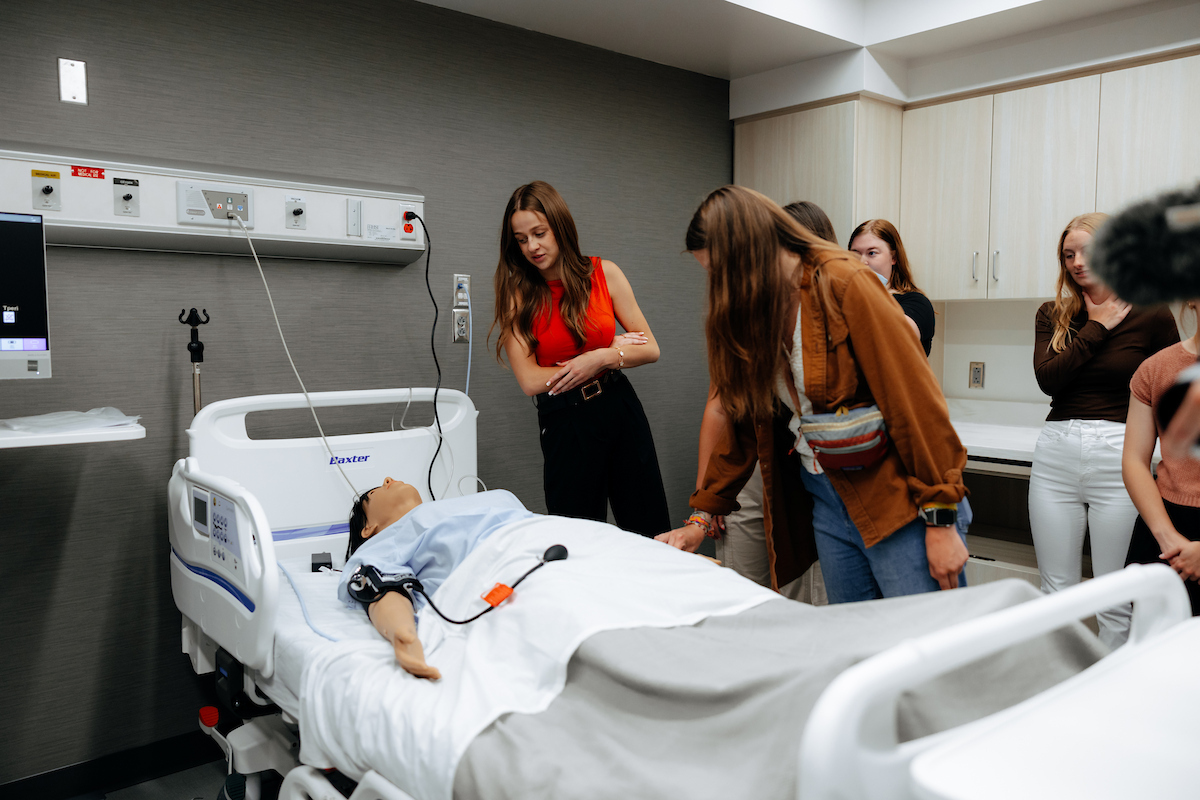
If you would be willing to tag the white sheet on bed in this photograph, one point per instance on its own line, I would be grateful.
(359, 710)
(295, 642)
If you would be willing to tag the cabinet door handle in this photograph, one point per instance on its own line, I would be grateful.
(995, 261)
(975, 266)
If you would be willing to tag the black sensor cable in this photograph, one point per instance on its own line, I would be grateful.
(408, 217)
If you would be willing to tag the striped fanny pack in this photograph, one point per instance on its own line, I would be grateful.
(846, 439)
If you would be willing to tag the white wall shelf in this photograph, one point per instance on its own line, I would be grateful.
(111, 434)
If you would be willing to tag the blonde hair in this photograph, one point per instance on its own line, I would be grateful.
(749, 292)
(1068, 300)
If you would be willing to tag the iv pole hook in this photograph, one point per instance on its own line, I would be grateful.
(196, 349)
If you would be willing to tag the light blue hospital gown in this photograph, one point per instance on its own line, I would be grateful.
(434, 538)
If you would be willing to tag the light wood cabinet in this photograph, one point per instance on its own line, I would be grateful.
(1149, 131)
(981, 212)
(1044, 143)
(843, 157)
(945, 187)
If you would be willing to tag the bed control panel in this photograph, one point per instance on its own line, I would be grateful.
(225, 548)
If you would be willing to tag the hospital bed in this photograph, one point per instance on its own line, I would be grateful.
(240, 508)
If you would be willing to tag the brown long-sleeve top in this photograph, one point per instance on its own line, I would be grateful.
(857, 350)
(1089, 379)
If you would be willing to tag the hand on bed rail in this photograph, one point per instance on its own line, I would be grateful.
(392, 615)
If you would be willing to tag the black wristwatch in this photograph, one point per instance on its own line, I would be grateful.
(939, 516)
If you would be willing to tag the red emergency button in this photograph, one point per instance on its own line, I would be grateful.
(408, 228)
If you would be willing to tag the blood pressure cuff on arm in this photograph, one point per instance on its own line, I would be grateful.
(368, 584)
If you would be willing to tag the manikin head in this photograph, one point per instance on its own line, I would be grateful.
(378, 508)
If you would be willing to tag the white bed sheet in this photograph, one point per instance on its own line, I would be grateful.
(360, 711)
(296, 644)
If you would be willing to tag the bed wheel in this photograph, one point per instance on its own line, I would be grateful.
(234, 788)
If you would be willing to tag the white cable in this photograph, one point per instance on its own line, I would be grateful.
(432, 432)
(295, 371)
(470, 332)
(476, 477)
(303, 606)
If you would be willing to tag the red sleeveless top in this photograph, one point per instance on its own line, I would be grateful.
(555, 341)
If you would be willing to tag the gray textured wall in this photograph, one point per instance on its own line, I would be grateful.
(385, 92)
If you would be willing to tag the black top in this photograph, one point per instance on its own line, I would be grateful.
(1090, 378)
(917, 307)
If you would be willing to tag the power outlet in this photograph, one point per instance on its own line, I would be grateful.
(127, 198)
(975, 379)
(462, 326)
(295, 213)
(462, 289)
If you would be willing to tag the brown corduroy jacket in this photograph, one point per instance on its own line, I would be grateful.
(858, 350)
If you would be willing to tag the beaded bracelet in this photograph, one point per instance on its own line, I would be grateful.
(704, 523)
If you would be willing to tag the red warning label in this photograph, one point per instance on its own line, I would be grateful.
(87, 172)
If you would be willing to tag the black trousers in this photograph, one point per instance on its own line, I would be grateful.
(600, 452)
(1144, 549)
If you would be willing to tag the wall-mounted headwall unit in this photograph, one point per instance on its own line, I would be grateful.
(90, 202)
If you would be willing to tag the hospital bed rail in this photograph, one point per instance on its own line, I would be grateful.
(850, 749)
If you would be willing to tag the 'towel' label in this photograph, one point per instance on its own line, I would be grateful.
(226, 549)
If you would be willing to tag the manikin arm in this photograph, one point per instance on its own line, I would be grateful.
(393, 616)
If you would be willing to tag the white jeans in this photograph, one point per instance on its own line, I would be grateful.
(1075, 487)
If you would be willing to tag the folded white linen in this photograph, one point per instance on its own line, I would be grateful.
(68, 421)
(360, 710)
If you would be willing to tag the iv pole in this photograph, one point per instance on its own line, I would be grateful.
(196, 349)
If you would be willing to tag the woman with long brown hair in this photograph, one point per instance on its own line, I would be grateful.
(557, 312)
(783, 309)
(740, 538)
(1087, 345)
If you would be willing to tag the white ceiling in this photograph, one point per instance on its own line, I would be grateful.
(736, 38)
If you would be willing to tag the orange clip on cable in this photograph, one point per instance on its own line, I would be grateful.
(497, 594)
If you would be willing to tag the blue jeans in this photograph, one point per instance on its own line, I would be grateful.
(895, 566)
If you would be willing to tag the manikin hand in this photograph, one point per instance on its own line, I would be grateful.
(946, 553)
(1109, 313)
(411, 656)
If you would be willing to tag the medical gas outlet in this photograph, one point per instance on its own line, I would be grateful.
(294, 212)
(127, 198)
(47, 190)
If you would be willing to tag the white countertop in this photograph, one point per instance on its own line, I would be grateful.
(996, 429)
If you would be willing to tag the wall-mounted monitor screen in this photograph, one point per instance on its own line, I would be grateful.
(24, 313)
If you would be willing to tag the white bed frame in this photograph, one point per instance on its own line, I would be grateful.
(224, 574)
(849, 749)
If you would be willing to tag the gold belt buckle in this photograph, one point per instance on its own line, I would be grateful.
(595, 388)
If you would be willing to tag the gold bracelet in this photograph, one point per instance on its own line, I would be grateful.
(620, 357)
